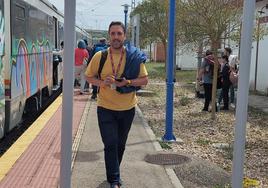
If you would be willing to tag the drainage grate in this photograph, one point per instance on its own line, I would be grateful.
(166, 159)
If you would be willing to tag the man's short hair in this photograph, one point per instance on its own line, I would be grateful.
(117, 23)
(225, 57)
(85, 40)
(208, 52)
(228, 49)
(102, 40)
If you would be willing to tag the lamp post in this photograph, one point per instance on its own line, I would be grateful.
(257, 46)
(125, 11)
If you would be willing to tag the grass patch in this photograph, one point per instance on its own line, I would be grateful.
(164, 145)
(186, 76)
(184, 101)
(203, 142)
(228, 153)
(157, 71)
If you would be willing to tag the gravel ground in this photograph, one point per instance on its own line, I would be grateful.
(200, 133)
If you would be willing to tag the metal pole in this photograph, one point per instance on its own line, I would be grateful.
(257, 55)
(199, 62)
(67, 103)
(125, 11)
(170, 74)
(240, 29)
(126, 20)
(242, 97)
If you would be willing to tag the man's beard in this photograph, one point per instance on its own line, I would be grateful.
(117, 44)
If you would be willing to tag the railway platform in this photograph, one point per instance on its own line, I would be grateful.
(34, 160)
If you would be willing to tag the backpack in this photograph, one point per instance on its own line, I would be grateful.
(210, 69)
(233, 77)
(211, 72)
(104, 54)
(97, 48)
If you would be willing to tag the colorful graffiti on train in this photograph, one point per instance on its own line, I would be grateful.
(2, 87)
(31, 67)
(2, 39)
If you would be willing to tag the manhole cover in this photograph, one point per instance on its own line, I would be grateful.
(166, 159)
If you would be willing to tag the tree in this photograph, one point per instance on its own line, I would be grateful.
(196, 21)
(258, 33)
(153, 22)
(208, 20)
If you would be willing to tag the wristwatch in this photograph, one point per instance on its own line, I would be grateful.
(128, 82)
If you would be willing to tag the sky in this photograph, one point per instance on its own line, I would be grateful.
(97, 14)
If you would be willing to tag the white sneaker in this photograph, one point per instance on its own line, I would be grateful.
(218, 107)
(232, 105)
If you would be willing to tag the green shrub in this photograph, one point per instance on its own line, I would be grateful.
(164, 145)
(184, 100)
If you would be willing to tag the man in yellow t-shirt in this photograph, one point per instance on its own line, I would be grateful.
(122, 74)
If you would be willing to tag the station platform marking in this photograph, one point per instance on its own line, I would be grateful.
(18, 148)
(79, 133)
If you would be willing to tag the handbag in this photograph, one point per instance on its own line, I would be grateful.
(233, 77)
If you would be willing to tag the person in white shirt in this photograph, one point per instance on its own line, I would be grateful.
(56, 62)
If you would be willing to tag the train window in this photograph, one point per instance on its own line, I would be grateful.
(18, 15)
(51, 31)
(50, 20)
(20, 12)
(1, 6)
(60, 32)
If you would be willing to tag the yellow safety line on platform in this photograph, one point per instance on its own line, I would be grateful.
(17, 149)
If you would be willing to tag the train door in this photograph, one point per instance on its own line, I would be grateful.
(56, 57)
(60, 40)
(2, 86)
(56, 32)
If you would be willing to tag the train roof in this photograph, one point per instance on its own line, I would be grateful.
(50, 5)
(49, 8)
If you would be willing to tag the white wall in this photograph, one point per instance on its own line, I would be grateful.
(262, 72)
(186, 60)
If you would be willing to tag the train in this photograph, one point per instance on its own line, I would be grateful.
(29, 32)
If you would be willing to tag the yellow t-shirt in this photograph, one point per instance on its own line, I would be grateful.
(109, 98)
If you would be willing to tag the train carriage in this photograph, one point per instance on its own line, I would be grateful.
(2, 87)
(29, 32)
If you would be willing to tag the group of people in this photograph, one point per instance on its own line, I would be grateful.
(226, 80)
(83, 55)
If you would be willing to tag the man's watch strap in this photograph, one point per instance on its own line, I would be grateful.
(128, 82)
